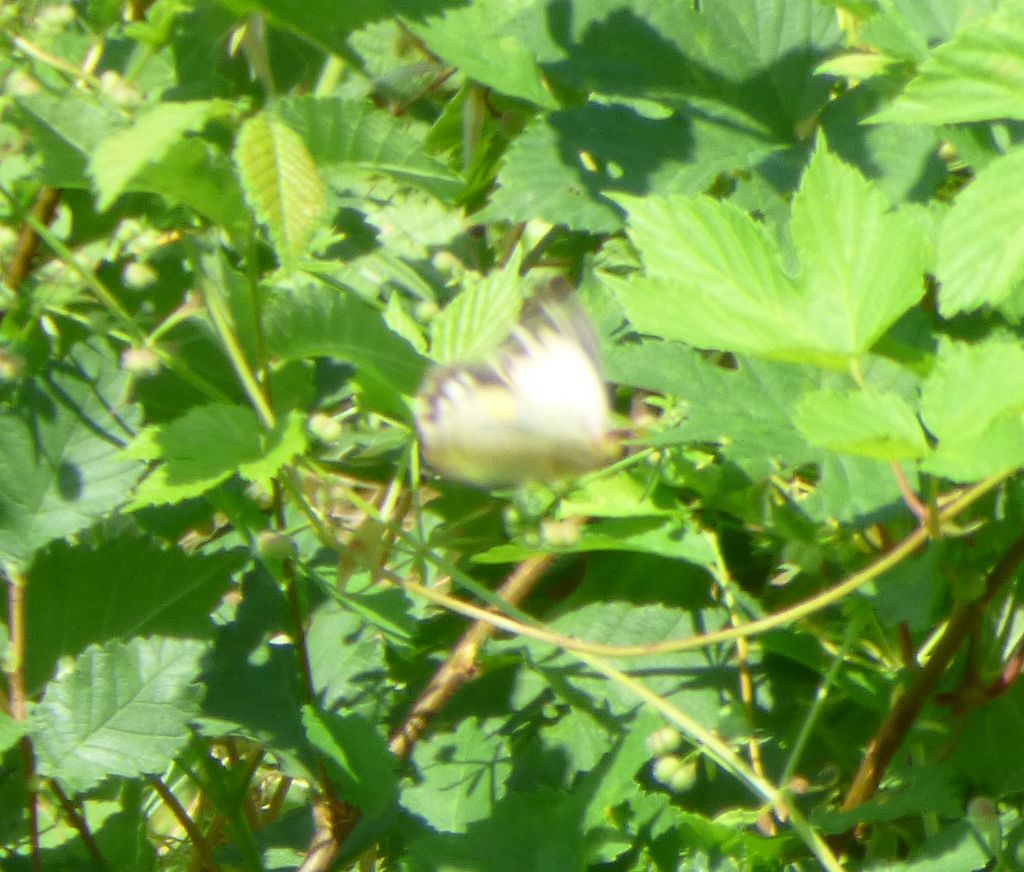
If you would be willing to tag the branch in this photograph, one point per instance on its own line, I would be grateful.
(897, 724)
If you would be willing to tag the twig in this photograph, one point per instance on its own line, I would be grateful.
(79, 823)
(195, 835)
(460, 665)
(20, 263)
(18, 701)
(897, 724)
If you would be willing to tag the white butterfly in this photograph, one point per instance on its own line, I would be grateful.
(537, 410)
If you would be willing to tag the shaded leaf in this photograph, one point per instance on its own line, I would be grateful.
(120, 709)
(61, 460)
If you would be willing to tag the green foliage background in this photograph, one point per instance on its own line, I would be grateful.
(234, 236)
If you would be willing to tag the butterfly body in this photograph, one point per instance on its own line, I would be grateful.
(536, 410)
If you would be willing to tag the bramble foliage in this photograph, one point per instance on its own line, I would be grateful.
(236, 234)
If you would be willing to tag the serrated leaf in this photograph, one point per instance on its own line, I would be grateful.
(61, 461)
(357, 758)
(929, 789)
(346, 656)
(121, 709)
(280, 446)
(748, 411)
(79, 594)
(715, 278)
(281, 183)
(313, 320)
(206, 446)
(980, 250)
(196, 175)
(478, 319)
(464, 773)
(973, 402)
(862, 262)
(867, 423)
(119, 157)
(478, 39)
(354, 133)
(976, 76)
(566, 165)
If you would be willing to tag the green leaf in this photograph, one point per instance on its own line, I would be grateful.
(626, 623)
(861, 261)
(929, 789)
(281, 183)
(206, 446)
(565, 165)
(976, 76)
(868, 423)
(245, 670)
(481, 40)
(463, 773)
(61, 461)
(119, 157)
(605, 786)
(66, 130)
(355, 134)
(982, 756)
(314, 320)
(536, 830)
(194, 174)
(279, 447)
(345, 655)
(473, 324)
(972, 402)
(357, 757)
(715, 279)
(10, 731)
(119, 709)
(84, 593)
(679, 540)
(981, 246)
(748, 411)
(955, 848)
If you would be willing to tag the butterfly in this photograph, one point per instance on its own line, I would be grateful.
(535, 410)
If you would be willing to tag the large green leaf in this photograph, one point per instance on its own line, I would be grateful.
(61, 461)
(565, 164)
(67, 129)
(976, 76)
(715, 278)
(351, 133)
(861, 261)
(980, 250)
(481, 40)
(357, 757)
(866, 423)
(478, 319)
(207, 445)
(119, 157)
(120, 709)
(464, 773)
(315, 320)
(972, 403)
(126, 586)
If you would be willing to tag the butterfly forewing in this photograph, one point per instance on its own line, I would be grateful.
(537, 410)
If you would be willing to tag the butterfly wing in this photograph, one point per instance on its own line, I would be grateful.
(537, 410)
